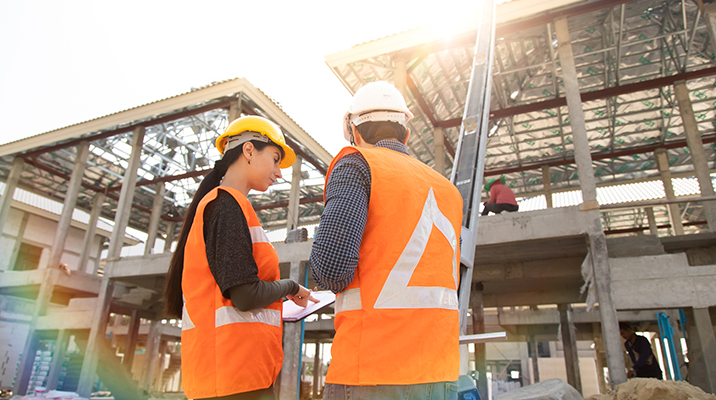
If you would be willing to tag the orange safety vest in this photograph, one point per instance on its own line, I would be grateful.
(397, 322)
(224, 350)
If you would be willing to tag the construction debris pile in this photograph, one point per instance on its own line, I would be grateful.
(653, 389)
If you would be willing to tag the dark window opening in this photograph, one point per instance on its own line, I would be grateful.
(28, 257)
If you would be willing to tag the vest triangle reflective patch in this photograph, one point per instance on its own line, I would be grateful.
(186, 322)
(396, 293)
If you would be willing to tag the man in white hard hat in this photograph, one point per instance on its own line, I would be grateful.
(387, 244)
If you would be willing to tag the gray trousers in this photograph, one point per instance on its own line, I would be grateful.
(424, 391)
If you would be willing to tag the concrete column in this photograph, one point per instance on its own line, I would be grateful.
(702, 361)
(49, 280)
(63, 338)
(534, 354)
(130, 346)
(316, 370)
(653, 230)
(235, 109)
(152, 355)
(154, 218)
(662, 162)
(24, 370)
(439, 143)
(18, 241)
(569, 342)
(73, 191)
(525, 375)
(601, 357)
(547, 183)
(124, 206)
(582, 152)
(169, 236)
(95, 269)
(101, 313)
(597, 240)
(709, 11)
(90, 233)
(696, 149)
(478, 326)
(160, 366)
(17, 166)
(288, 389)
(400, 75)
(96, 337)
(294, 197)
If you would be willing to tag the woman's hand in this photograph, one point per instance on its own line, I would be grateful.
(302, 297)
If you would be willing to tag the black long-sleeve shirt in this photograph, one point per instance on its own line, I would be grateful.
(645, 364)
(229, 251)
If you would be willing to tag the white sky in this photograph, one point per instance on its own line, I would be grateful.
(64, 62)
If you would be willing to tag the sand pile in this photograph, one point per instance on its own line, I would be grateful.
(654, 389)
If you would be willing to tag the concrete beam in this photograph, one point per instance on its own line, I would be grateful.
(532, 225)
(635, 281)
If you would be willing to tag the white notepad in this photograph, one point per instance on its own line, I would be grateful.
(292, 312)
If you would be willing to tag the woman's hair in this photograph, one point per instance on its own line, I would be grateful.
(373, 132)
(173, 301)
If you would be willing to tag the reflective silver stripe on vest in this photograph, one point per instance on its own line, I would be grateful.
(232, 315)
(258, 235)
(186, 322)
(395, 292)
(348, 300)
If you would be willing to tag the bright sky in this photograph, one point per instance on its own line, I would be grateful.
(65, 62)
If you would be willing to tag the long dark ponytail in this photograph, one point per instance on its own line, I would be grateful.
(173, 301)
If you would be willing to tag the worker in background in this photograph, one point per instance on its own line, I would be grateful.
(501, 198)
(223, 279)
(639, 349)
(387, 244)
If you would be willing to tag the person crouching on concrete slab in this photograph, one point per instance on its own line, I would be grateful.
(501, 198)
(639, 349)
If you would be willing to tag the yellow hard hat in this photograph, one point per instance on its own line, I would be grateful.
(252, 127)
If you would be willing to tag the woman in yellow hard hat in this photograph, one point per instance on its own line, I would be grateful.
(223, 279)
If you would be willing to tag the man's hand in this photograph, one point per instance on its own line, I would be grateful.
(631, 373)
(302, 297)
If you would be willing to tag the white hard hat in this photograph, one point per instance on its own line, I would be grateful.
(376, 101)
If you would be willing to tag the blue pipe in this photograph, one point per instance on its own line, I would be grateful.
(300, 346)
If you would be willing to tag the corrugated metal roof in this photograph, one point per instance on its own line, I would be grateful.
(631, 192)
(131, 108)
